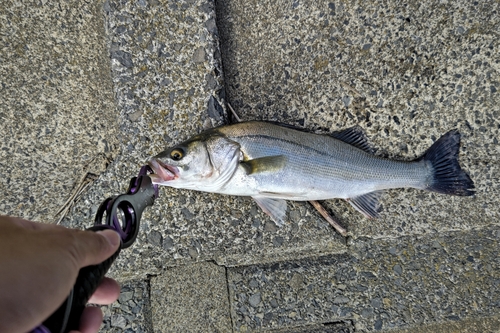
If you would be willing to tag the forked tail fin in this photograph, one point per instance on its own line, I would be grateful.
(448, 178)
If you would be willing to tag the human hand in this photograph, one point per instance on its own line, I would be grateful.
(39, 264)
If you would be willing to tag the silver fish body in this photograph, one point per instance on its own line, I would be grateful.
(273, 163)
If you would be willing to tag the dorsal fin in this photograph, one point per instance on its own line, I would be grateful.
(354, 136)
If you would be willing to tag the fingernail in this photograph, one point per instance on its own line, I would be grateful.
(112, 237)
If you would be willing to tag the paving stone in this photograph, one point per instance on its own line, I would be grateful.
(475, 325)
(406, 73)
(53, 79)
(132, 312)
(191, 298)
(456, 282)
(164, 97)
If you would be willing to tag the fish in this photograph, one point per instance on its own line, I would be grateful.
(273, 163)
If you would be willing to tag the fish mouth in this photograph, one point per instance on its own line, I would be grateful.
(162, 172)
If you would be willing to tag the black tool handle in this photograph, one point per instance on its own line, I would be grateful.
(67, 317)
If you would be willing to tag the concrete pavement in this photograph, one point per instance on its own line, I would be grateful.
(89, 92)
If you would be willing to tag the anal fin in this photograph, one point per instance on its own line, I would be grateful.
(275, 208)
(367, 204)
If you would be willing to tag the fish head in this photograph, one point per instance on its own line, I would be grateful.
(204, 162)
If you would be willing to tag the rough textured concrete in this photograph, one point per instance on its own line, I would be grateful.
(405, 73)
(166, 91)
(192, 298)
(132, 312)
(54, 77)
(378, 285)
(476, 325)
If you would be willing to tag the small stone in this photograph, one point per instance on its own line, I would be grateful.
(243, 310)
(199, 55)
(253, 283)
(168, 243)
(346, 100)
(155, 238)
(294, 215)
(254, 300)
(376, 303)
(193, 253)
(378, 324)
(211, 26)
(436, 245)
(341, 300)
(274, 303)
(367, 313)
(278, 241)
(187, 214)
(118, 321)
(397, 269)
(126, 296)
(296, 281)
(270, 226)
(214, 109)
(123, 58)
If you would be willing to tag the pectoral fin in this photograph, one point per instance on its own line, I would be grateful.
(264, 164)
(367, 204)
(275, 208)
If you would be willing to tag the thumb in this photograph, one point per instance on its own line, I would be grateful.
(92, 248)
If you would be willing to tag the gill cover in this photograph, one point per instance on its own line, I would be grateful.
(225, 156)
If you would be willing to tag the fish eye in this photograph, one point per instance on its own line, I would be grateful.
(177, 154)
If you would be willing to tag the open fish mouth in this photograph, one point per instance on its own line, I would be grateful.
(162, 172)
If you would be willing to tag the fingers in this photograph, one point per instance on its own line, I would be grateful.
(92, 248)
(19, 222)
(87, 248)
(107, 292)
(91, 320)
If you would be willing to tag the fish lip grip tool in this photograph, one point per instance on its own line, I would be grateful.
(121, 213)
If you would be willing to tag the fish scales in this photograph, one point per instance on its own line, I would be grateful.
(334, 168)
(274, 163)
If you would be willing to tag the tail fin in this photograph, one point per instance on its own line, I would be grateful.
(448, 178)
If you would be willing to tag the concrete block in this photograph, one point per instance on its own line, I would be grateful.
(406, 73)
(377, 285)
(191, 298)
(132, 312)
(58, 117)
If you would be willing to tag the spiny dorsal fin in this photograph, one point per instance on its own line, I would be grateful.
(354, 136)
(275, 208)
(264, 164)
(367, 204)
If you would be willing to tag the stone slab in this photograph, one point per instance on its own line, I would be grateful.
(168, 83)
(475, 325)
(378, 285)
(55, 76)
(406, 73)
(191, 298)
(132, 312)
